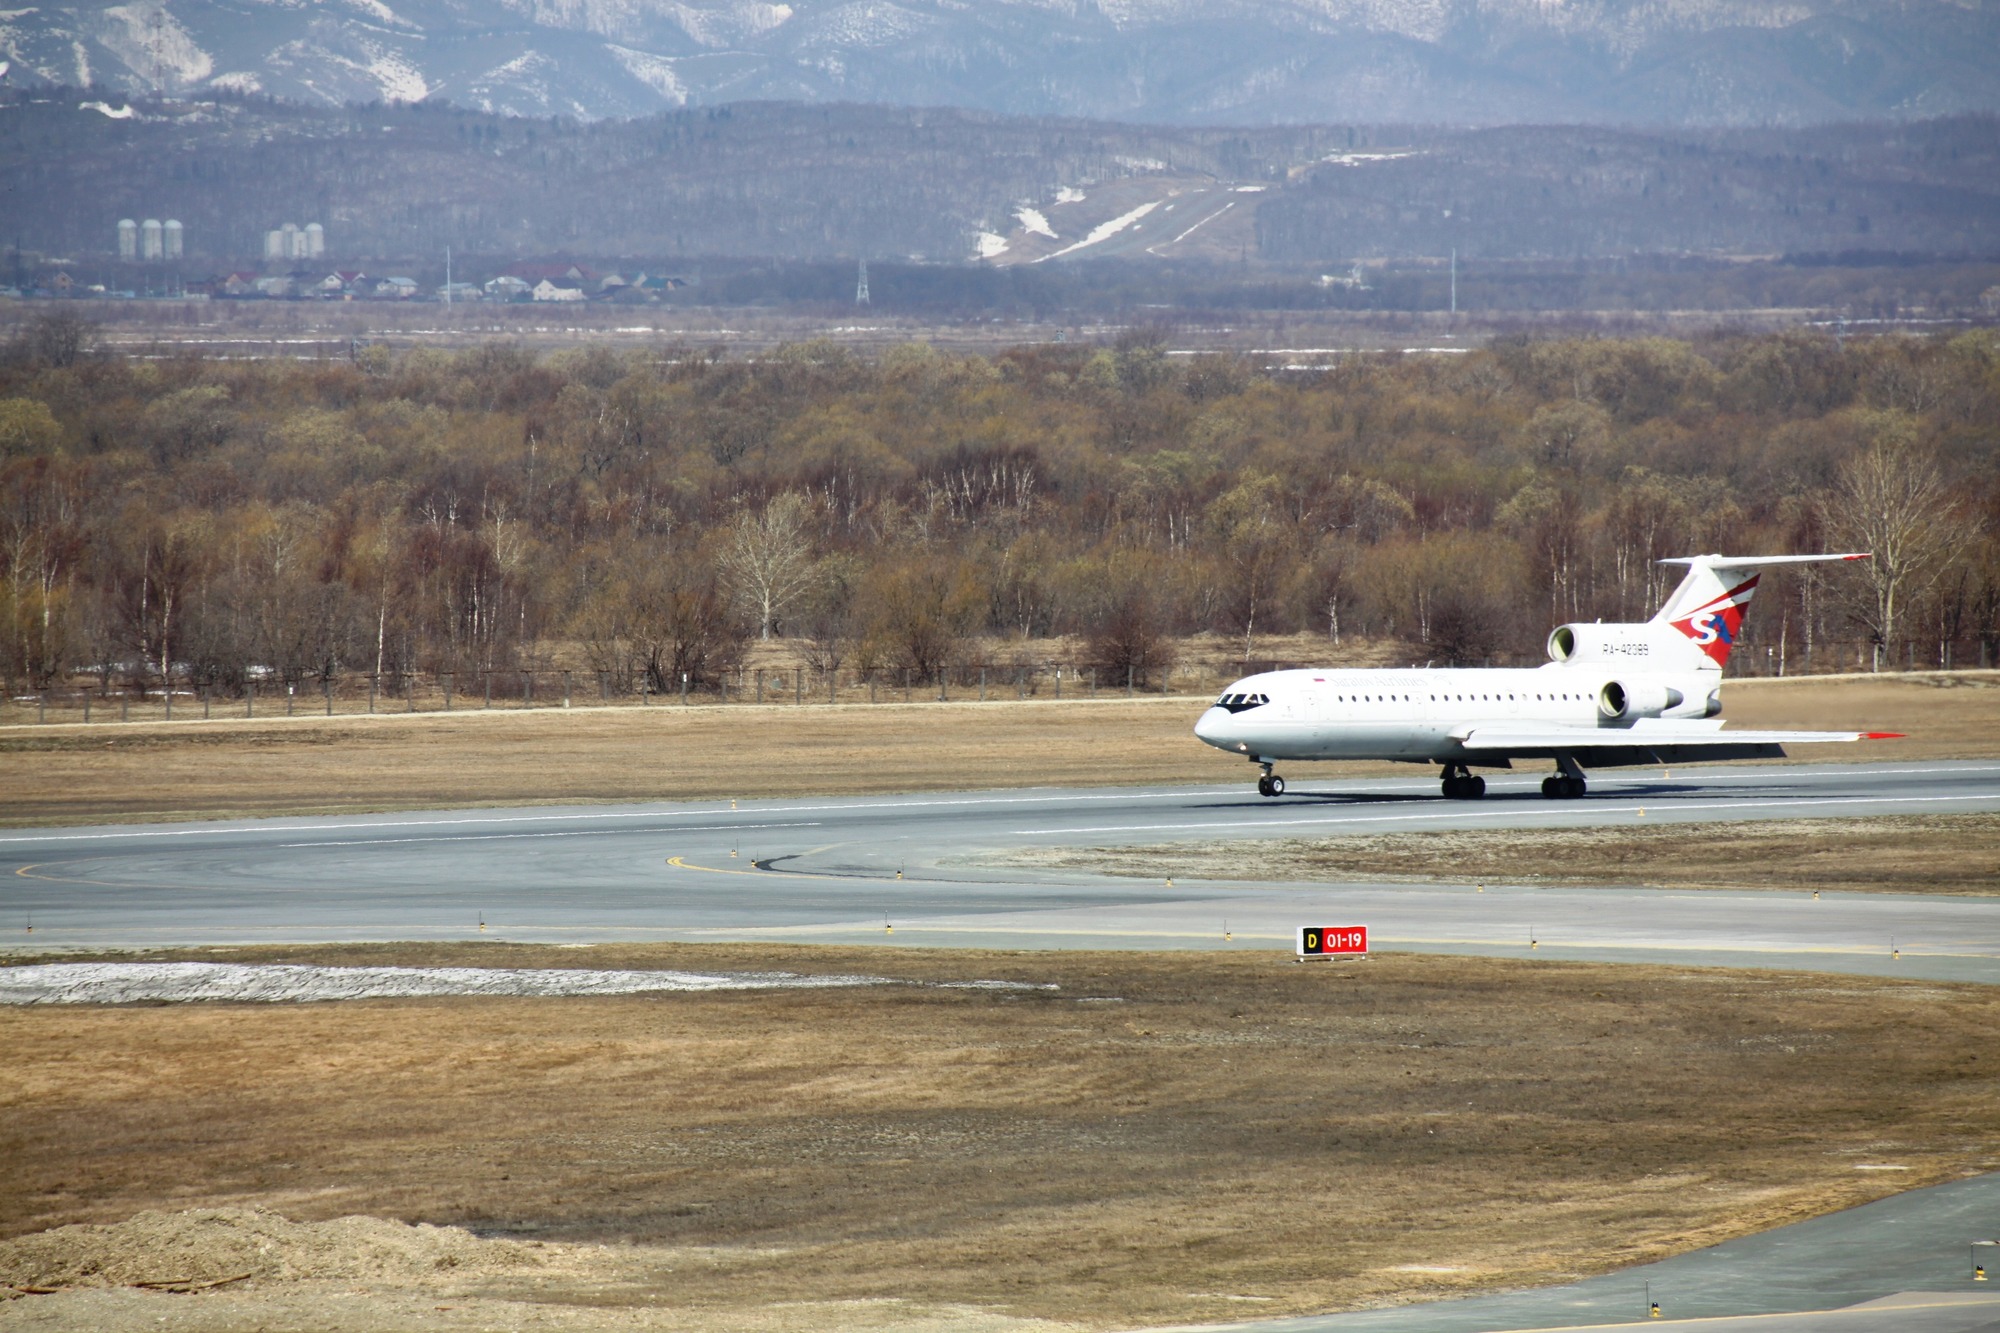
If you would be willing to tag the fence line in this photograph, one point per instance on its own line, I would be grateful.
(357, 693)
(360, 693)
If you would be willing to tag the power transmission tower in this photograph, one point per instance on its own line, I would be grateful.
(156, 49)
(861, 285)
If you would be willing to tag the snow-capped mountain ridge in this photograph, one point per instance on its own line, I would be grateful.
(1228, 61)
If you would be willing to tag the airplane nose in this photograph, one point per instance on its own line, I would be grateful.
(1213, 727)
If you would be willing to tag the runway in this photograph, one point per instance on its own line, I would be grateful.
(899, 870)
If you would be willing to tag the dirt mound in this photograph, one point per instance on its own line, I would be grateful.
(212, 1245)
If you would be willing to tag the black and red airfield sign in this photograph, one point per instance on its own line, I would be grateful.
(1333, 942)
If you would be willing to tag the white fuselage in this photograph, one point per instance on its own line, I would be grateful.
(1420, 715)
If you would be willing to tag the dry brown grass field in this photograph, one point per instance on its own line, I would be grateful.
(1961, 855)
(266, 766)
(1163, 1138)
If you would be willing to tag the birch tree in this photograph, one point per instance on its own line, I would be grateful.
(1892, 500)
(768, 562)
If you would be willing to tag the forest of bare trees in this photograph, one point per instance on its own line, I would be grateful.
(650, 516)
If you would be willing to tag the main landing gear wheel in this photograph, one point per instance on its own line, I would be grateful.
(1562, 787)
(1460, 785)
(1270, 785)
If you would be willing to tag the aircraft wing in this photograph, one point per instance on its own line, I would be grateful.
(1647, 741)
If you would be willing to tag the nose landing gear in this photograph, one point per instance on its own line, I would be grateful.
(1460, 785)
(1270, 784)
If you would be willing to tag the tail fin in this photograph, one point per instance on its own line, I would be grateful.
(1708, 605)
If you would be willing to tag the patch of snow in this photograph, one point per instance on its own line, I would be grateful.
(1032, 220)
(728, 26)
(867, 24)
(1251, 189)
(399, 80)
(1155, 249)
(286, 983)
(147, 37)
(1106, 230)
(120, 113)
(1140, 163)
(381, 13)
(656, 72)
(127, 983)
(1363, 159)
(991, 244)
(516, 67)
(238, 81)
(1069, 195)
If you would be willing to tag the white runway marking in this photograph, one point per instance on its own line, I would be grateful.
(573, 833)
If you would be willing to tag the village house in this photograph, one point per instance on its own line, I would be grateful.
(341, 284)
(550, 290)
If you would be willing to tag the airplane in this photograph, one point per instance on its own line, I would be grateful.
(1609, 696)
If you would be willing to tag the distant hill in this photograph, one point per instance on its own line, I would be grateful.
(1466, 62)
(788, 181)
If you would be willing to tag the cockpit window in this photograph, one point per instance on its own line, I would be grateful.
(1237, 703)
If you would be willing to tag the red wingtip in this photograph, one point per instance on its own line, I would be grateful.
(1882, 736)
(1865, 555)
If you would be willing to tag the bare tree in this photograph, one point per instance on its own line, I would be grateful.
(1891, 499)
(1248, 529)
(61, 338)
(828, 626)
(768, 563)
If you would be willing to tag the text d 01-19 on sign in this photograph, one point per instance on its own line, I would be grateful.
(1333, 942)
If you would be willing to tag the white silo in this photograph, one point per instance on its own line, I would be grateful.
(315, 240)
(128, 239)
(295, 241)
(171, 237)
(151, 240)
(274, 244)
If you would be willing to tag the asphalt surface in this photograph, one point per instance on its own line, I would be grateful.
(841, 870)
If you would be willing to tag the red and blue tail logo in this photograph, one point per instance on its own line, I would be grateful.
(1713, 626)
